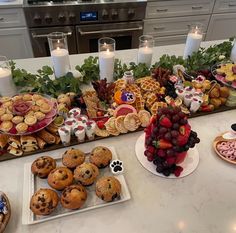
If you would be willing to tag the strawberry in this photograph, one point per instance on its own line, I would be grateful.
(185, 129)
(153, 119)
(170, 160)
(100, 124)
(151, 149)
(182, 140)
(162, 144)
(100, 114)
(165, 121)
(178, 171)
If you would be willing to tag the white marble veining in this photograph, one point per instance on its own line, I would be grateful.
(203, 202)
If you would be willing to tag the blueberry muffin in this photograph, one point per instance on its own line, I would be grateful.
(108, 188)
(42, 166)
(73, 196)
(73, 158)
(44, 202)
(100, 156)
(60, 177)
(86, 173)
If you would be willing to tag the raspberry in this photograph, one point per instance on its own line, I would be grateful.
(151, 149)
(178, 171)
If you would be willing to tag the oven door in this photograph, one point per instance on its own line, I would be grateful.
(39, 40)
(126, 35)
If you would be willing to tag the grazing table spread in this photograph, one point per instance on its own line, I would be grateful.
(200, 202)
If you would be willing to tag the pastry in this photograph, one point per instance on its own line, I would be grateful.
(45, 108)
(64, 99)
(52, 129)
(44, 202)
(2, 111)
(100, 156)
(73, 158)
(30, 113)
(144, 117)
(111, 126)
(41, 101)
(27, 97)
(17, 119)
(6, 126)
(35, 108)
(21, 127)
(108, 188)
(46, 136)
(7, 104)
(6, 117)
(86, 173)
(119, 123)
(28, 141)
(14, 141)
(36, 97)
(5, 99)
(39, 115)
(29, 148)
(30, 120)
(60, 177)
(14, 151)
(71, 95)
(101, 132)
(131, 121)
(3, 140)
(17, 98)
(42, 166)
(73, 196)
(57, 139)
(41, 143)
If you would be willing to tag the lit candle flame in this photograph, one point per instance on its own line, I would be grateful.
(108, 50)
(58, 48)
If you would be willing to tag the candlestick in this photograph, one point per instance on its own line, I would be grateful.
(194, 40)
(145, 51)
(106, 58)
(59, 53)
(7, 86)
(233, 52)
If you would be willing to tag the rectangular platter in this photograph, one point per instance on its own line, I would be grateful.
(6, 156)
(33, 183)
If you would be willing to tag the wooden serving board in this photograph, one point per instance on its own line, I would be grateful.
(221, 139)
(6, 156)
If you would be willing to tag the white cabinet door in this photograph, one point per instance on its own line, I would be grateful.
(225, 6)
(15, 43)
(221, 26)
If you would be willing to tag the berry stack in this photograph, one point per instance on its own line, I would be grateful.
(167, 140)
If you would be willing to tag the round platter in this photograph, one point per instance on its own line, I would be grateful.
(47, 120)
(189, 165)
(221, 78)
(224, 137)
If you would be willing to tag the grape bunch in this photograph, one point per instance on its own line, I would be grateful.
(167, 140)
(170, 89)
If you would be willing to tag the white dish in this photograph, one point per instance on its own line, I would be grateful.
(33, 183)
(189, 164)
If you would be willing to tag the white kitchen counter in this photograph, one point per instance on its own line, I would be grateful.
(203, 202)
(10, 3)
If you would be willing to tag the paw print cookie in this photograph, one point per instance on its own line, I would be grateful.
(116, 167)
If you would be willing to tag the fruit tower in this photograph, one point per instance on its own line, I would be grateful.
(167, 140)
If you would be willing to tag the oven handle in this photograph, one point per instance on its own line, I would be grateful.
(34, 35)
(111, 30)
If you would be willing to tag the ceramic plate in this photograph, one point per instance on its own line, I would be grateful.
(189, 164)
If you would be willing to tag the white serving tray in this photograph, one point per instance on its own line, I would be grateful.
(33, 183)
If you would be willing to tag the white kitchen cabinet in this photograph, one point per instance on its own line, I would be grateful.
(13, 17)
(15, 43)
(222, 26)
(224, 6)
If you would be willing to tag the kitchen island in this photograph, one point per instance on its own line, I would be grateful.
(201, 202)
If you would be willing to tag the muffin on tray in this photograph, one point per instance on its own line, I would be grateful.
(73, 158)
(100, 156)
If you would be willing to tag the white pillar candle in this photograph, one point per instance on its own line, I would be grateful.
(193, 43)
(145, 55)
(106, 64)
(7, 86)
(233, 53)
(61, 62)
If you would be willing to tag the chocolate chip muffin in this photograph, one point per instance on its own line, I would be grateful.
(108, 188)
(73, 196)
(60, 177)
(42, 166)
(86, 173)
(73, 158)
(44, 202)
(100, 156)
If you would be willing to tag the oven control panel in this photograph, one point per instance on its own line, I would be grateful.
(58, 15)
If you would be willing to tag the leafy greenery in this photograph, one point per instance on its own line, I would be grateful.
(168, 62)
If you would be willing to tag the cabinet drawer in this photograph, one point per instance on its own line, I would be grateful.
(173, 26)
(13, 17)
(178, 8)
(221, 26)
(224, 6)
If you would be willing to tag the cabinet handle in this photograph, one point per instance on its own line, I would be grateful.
(231, 4)
(34, 35)
(196, 7)
(161, 10)
(159, 28)
(1, 19)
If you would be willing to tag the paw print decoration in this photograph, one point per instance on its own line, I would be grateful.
(116, 167)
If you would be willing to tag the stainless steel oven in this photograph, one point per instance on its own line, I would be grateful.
(125, 34)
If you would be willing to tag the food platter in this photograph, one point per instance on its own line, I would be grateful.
(32, 183)
(225, 138)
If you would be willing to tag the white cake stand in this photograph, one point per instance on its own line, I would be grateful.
(189, 164)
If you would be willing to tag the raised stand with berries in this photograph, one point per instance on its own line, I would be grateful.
(167, 141)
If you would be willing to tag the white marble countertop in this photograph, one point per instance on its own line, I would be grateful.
(10, 3)
(203, 202)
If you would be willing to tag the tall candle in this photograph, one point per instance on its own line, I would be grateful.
(145, 55)
(7, 86)
(193, 43)
(61, 62)
(233, 53)
(106, 64)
